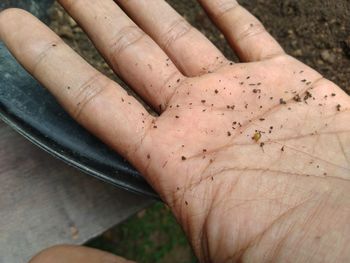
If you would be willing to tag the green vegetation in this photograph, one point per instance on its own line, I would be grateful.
(152, 235)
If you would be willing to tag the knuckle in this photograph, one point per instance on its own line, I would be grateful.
(43, 53)
(125, 38)
(86, 93)
(225, 7)
(175, 31)
(251, 30)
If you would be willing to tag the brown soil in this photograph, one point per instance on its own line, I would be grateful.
(316, 32)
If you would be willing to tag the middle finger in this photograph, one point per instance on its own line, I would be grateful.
(131, 53)
(191, 51)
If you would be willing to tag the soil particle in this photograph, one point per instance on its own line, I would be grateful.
(257, 136)
(282, 101)
(328, 56)
(307, 96)
(297, 98)
(256, 91)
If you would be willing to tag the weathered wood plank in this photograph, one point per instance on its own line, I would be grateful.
(44, 202)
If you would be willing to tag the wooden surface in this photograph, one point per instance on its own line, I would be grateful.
(44, 202)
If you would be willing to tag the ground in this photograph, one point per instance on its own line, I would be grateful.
(316, 32)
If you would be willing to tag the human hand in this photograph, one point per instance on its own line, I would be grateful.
(252, 158)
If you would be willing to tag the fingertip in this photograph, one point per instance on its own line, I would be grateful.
(10, 18)
(10, 14)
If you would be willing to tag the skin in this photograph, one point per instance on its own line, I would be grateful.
(253, 158)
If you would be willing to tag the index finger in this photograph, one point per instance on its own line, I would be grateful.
(95, 101)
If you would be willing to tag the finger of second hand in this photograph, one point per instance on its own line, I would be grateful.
(131, 53)
(95, 101)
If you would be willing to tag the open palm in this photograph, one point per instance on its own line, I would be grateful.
(242, 153)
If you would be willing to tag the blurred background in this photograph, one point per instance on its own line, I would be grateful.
(316, 32)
